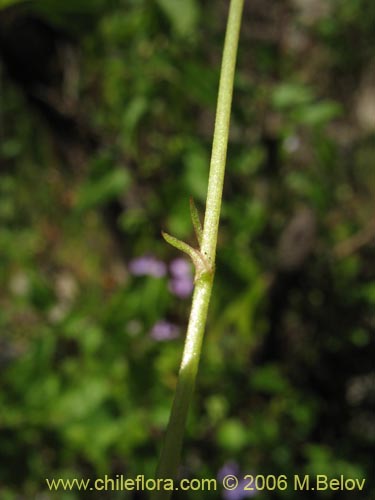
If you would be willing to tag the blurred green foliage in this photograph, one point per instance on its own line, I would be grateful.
(284, 380)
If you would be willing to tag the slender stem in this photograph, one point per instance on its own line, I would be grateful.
(171, 452)
(221, 133)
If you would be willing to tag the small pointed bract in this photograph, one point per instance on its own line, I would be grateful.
(196, 221)
(180, 245)
(200, 263)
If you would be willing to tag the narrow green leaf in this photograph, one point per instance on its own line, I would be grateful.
(196, 221)
(182, 15)
(180, 245)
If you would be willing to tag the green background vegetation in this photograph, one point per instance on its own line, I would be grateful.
(106, 122)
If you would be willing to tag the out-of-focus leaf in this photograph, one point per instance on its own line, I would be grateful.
(360, 337)
(318, 113)
(232, 435)
(182, 15)
(195, 175)
(217, 407)
(367, 293)
(322, 458)
(98, 191)
(288, 95)
(80, 401)
(72, 15)
(133, 114)
(269, 379)
(250, 162)
(8, 3)
(10, 148)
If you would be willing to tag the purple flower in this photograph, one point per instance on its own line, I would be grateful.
(231, 468)
(147, 265)
(163, 330)
(180, 268)
(239, 492)
(181, 287)
(181, 283)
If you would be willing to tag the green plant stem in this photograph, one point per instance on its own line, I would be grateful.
(171, 452)
(221, 133)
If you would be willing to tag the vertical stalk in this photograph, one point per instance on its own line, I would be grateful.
(171, 452)
(221, 132)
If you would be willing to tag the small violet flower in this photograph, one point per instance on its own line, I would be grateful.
(180, 268)
(239, 492)
(181, 284)
(147, 265)
(182, 288)
(163, 330)
(229, 468)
